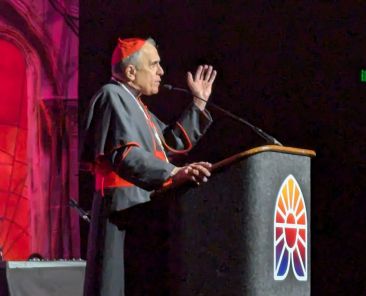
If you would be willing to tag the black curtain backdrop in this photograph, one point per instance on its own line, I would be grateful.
(290, 67)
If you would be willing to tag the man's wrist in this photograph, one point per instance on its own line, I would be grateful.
(174, 171)
(200, 105)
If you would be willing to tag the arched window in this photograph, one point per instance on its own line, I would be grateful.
(14, 199)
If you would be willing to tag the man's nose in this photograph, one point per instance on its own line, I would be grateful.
(160, 70)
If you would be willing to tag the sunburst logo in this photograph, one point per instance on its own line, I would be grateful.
(290, 232)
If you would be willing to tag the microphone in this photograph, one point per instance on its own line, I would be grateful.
(269, 139)
(83, 214)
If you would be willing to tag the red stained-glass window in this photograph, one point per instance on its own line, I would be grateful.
(14, 202)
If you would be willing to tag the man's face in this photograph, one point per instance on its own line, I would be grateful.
(148, 71)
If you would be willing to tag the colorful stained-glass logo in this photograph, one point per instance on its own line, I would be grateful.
(290, 232)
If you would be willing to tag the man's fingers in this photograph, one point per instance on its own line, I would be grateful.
(213, 76)
(192, 170)
(198, 73)
(204, 71)
(199, 179)
(206, 164)
(200, 170)
(189, 77)
(195, 180)
(196, 172)
(208, 73)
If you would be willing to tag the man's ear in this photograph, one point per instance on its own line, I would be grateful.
(130, 72)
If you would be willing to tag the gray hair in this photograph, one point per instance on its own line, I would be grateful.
(133, 59)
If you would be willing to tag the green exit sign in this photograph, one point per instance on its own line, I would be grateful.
(363, 75)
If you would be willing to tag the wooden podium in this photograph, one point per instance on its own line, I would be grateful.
(245, 232)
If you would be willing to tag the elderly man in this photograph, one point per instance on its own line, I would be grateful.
(129, 149)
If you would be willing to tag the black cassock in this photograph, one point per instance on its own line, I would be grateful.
(128, 148)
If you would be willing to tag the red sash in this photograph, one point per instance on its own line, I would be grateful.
(106, 178)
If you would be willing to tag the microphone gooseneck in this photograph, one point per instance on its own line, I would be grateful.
(269, 139)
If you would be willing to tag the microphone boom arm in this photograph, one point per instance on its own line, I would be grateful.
(269, 139)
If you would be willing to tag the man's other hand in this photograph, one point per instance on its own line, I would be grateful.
(197, 172)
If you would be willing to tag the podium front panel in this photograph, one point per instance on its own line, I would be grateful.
(220, 238)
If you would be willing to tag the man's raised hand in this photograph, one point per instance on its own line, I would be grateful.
(201, 84)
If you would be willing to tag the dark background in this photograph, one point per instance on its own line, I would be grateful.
(290, 67)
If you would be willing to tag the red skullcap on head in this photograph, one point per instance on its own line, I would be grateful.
(125, 48)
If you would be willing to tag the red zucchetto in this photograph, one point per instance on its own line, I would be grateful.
(126, 47)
